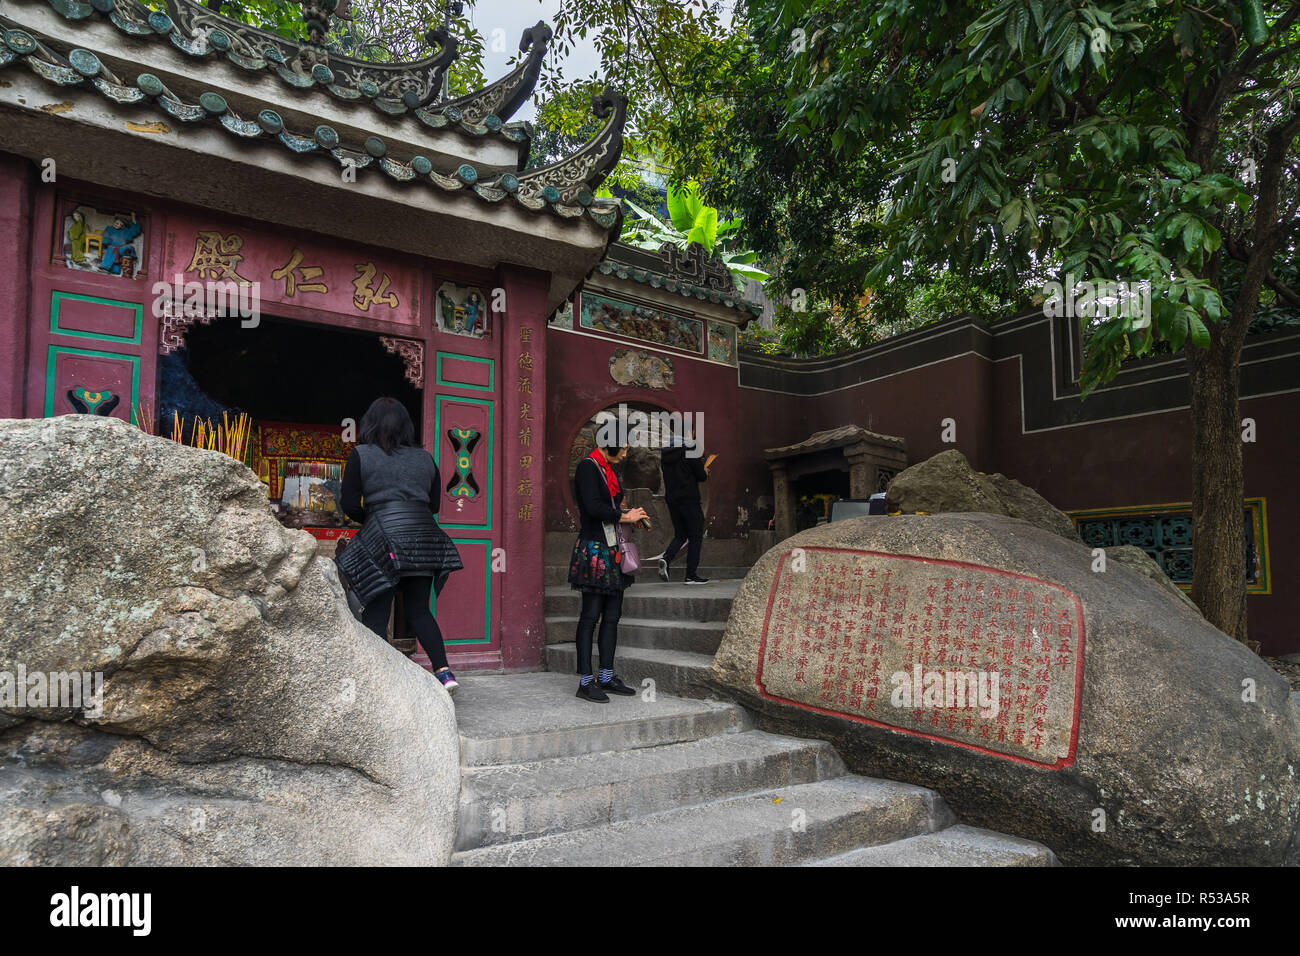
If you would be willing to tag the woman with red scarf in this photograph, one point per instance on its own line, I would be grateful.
(595, 568)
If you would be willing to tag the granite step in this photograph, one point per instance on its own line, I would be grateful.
(559, 574)
(697, 637)
(957, 845)
(674, 601)
(778, 827)
(682, 673)
(514, 802)
(517, 718)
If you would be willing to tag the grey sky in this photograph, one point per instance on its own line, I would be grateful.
(512, 17)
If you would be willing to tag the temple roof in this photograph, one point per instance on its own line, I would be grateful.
(395, 93)
(831, 438)
(689, 272)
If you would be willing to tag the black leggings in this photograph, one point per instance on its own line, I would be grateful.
(415, 600)
(688, 525)
(607, 608)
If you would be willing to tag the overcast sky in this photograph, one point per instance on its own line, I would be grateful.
(514, 16)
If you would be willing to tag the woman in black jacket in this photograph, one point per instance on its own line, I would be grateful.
(595, 568)
(400, 543)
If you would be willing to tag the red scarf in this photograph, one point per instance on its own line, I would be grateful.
(611, 480)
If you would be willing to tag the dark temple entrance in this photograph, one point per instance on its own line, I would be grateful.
(304, 388)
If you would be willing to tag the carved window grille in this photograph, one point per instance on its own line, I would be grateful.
(1165, 533)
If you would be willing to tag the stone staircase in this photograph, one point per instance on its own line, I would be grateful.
(550, 780)
(668, 632)
(670, 777)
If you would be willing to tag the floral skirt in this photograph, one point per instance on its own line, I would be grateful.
(593, 568)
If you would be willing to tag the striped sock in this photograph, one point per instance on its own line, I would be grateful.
(586, 679)
(606, 675)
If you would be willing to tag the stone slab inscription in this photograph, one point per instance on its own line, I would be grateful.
(924, 647)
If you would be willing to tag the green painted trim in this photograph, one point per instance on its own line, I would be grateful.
(1259, 516)
(52, 356)
(1259, 513)
(491, 436)
(57, 297)
(490, 363)
(487, 593)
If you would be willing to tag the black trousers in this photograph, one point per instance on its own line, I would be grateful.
(606, 608)
(688, 525)
(415, 600)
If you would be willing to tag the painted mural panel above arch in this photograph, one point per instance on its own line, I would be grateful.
(647, 324)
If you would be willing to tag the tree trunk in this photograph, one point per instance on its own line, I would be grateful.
(1218, 485)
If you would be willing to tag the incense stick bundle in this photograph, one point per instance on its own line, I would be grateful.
(142, 417)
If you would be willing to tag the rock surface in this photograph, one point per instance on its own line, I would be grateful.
(1187, 748)
(946, 482)
(1134, 558)
(246, 717)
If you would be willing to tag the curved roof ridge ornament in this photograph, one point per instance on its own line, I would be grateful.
(504, 97)
(84, 69)
(200, 31)
(570, 183)
(696, 264)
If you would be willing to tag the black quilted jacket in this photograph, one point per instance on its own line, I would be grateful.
(398, 540)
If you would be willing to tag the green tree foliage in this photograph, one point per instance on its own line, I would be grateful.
(644, 47)
(692, 220)
(884, 143)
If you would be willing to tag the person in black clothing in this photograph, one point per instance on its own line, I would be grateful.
(595, 568)
(682, 476)
(400, 544)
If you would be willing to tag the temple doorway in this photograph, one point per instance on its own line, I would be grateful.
(301, 386)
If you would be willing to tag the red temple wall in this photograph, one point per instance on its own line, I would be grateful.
(1145, 460)
(16, 176)
(99, 331)
(1140, 460)
(580, 385)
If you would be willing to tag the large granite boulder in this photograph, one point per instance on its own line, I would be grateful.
(946, 482)
(1111, 721)
(245, 716)
(1135, 559)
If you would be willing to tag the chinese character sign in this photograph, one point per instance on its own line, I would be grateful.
(960, 653)
(289, 268)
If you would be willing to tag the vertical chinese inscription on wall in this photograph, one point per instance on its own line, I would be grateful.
(845, 629)
(526, 488)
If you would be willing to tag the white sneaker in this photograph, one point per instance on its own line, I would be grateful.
(663, 569)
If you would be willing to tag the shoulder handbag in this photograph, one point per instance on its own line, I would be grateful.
(631, 560)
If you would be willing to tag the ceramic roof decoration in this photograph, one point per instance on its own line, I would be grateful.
(689, 272)
(565, 188)
(392, 88)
